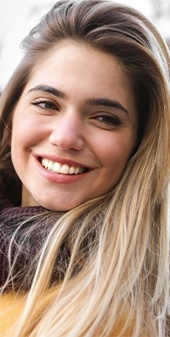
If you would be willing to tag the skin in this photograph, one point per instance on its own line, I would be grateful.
(77, 110)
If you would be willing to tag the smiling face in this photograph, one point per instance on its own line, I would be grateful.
(73, 128)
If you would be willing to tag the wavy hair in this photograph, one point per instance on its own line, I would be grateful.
(120, 240)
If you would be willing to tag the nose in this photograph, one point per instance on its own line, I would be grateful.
(67, 133)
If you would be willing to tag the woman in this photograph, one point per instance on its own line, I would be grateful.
(85, 160)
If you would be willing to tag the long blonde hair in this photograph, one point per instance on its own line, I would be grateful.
(118, 270)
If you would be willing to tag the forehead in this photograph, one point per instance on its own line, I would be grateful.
(76, 54)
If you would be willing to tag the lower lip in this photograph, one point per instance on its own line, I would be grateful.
(60, 178)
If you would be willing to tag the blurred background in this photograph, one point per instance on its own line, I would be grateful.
(17, 17)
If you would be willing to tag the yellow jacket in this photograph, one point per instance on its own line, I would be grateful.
(11, 306)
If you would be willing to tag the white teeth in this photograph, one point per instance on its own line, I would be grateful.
(64, 169)
(59, 168)
(71, 170)
(45, 163)
(56, 167)
(50, 165)
(77, 170)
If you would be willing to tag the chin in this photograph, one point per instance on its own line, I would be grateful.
(51, 206)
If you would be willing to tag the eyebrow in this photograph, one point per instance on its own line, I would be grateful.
(107, 102)
(49, 89)
(91, 101)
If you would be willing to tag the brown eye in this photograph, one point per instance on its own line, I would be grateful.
(46, 104)
(109, 119)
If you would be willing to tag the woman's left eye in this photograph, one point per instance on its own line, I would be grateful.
(46, 104)
(109, 119)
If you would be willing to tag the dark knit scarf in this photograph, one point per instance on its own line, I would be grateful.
(28, 227)
(27, 242)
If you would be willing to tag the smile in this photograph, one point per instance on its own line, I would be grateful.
(61, 169)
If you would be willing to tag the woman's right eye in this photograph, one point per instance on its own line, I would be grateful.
(46, 104)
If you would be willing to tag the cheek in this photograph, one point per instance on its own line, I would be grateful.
(29, 128)
(115, 151)
(24, 133)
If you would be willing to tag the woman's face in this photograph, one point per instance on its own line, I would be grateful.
(73, 128)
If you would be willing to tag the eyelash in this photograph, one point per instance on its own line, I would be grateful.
(109, 119)
(52, 105)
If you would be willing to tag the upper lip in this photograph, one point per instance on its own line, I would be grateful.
(62, 161)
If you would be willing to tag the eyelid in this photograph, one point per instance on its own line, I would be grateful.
(39, 101)
(110, 116)
(108, 121)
